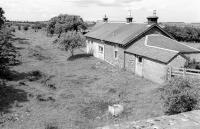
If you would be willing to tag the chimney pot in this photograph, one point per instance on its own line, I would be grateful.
(129, 19)
(105, 19)
(153, 19)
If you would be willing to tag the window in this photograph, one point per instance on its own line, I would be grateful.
(100, 49)
(140, 59)
(116, 54)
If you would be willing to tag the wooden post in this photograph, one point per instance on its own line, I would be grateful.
(169, 73)
(184, 71)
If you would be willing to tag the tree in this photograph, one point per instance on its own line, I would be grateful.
(19, 27)
(186, 34)
(2, 18)
(59, 28)
(65, 23)
(72, 40)
(8, 51)
(26, 27)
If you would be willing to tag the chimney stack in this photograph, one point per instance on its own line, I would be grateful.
(152, 19)
(129, 19)
(105, 19)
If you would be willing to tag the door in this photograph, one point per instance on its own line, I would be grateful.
(139, 66)
(101, 51)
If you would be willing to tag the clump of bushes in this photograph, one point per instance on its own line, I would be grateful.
(52, 125)
(34, 75)
(192, 64)
(12, 29)
(179, 95)
(25, 27)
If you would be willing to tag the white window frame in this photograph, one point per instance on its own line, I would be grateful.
(115, 50)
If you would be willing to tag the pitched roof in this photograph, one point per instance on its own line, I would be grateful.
(167, 43)
(139, 48)
(119, 33)
(159, 47)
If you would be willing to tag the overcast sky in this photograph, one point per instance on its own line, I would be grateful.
(167, 10)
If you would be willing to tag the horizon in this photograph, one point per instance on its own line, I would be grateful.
(116, 10)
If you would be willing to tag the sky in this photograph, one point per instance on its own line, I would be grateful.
(92, 10)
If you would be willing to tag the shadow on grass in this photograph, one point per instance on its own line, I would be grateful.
(16, 76)
(78, 56)
(21, 39)
(10, 96)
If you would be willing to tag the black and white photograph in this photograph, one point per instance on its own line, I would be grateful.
(99, 64)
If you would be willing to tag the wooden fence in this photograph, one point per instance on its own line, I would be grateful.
(171, 72)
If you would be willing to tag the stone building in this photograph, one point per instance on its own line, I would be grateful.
(144, 49)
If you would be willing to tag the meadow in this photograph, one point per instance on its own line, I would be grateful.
(49, 90)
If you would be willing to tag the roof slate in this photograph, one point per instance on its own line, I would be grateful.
(167, 43)
(119, 33)
(139, 48)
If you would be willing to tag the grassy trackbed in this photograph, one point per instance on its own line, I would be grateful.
(49, 91)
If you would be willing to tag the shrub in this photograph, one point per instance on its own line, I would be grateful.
(19, 27)
(26, 27)
(12, 29)
(51, 126)
(192, 64)
(179, 96)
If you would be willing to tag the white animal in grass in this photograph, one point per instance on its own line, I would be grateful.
(115, 109)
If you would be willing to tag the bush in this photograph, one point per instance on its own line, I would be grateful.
(12, 29)
(26, 27)
(179, 96)
(192, 64)
(51, 126)
(19, 27)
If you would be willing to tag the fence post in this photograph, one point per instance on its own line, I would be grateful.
(184, 72)
(170, 73)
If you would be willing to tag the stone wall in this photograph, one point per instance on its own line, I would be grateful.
(154, 71)
(110, 57)
(188, 120)
(130, 62)
(178, 62)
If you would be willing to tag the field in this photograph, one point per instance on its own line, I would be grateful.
(49, 90)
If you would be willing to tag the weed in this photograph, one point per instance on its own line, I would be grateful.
(51, 126)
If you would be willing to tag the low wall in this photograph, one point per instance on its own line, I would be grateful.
(188, 120)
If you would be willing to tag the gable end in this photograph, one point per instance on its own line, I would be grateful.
(154, 29)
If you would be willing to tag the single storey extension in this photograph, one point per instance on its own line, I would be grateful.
(144, 49)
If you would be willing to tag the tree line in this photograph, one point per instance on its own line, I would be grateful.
(184, 34)
(8, 52)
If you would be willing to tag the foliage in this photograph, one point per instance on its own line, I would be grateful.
(72, 40)
(2, 18)
(19, 27)
(12, 29)
(38, 26)
(26, 27)
(192, 64)
(186, 34)
(179, 95)
(65, 23)
(8, 51)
